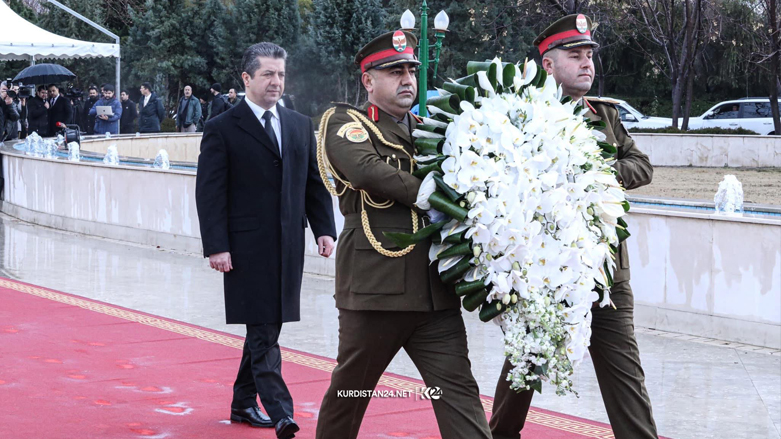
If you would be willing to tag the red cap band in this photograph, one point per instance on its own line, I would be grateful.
(385, 54)
(560, 36)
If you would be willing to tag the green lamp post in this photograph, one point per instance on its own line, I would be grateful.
(441, 21)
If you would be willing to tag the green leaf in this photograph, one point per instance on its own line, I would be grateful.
(607, 147)
(445, 205)
(492, 75)
(431, 129)
(464, 92)
(464, 288)
(429, 146)
(508, 74)
(566, 99)
(437, 160)
(456, 238)
(490, 310)
(608, 276)
(472, 301)
(447, 190)
(473, 67)
(449, 103)
(539, 78)
(622, 234)
(536, 385)
(597, 124)
(404, 240)
(463, 249)
(626, 206)
(421, 173)
(470, 80)
(452, 274)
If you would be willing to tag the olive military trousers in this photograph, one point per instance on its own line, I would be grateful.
(436, 343)
(616, 359)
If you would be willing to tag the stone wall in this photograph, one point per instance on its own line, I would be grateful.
(711, 150)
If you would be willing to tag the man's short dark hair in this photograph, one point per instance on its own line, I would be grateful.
(250, 62)
(53, 85)
(108, 87)
(147, 86)
(92, 87)
(42, 87)
(124, 91)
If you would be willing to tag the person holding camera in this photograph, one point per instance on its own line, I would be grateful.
(38, 113)
(105, 123)
(9, 115)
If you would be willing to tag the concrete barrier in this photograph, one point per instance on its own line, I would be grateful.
(663, 149)
(710, 150)
(692, 272)
(180, 147)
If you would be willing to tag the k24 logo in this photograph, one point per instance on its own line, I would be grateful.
(430, 393)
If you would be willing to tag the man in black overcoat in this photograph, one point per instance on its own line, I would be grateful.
(258, 186)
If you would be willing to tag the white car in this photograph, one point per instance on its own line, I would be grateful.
(631, 118)
(747, 113)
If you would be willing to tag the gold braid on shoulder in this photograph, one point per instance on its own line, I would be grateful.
(325, 167)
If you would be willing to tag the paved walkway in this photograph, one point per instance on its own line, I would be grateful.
(699, 388)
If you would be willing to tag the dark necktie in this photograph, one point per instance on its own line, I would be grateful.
(270, 128)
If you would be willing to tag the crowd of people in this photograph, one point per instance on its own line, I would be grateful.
(26, 110)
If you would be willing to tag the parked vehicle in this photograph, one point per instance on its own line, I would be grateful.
(748, 113)
(631, 118)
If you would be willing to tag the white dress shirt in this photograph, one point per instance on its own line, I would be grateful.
(259, 111)
(146, 99)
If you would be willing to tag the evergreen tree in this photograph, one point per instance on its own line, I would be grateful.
(161, 49)
(250, 22)
(338, 29)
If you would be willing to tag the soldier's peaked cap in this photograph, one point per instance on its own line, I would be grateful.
(388, 50)
(566, 33)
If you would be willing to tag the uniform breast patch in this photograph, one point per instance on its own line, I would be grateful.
(354, 132)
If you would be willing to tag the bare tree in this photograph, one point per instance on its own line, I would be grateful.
(771, 7)
(676, 26)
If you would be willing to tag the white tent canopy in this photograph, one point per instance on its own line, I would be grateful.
(20, 39)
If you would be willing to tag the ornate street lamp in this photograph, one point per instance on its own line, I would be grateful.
(441, 22)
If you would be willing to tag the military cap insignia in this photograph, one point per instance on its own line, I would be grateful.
(399, 41)
(354, 132)
(581, 23)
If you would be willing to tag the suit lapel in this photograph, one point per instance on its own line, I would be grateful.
(250, 124)
(287, 133)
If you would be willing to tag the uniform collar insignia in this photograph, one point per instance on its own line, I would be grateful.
(374, 113)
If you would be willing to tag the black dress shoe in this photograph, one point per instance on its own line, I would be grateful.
(286, 428)
(252, 416)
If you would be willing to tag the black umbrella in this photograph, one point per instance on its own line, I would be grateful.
(44, 74)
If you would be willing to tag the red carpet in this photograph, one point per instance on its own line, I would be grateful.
(76, 368)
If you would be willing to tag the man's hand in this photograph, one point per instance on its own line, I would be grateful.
(9, 100)
(46, 104)
(325, 246)
(103, 116)
(221, 262)
(23, 101)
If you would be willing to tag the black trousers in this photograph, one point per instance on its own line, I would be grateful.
(260, 373)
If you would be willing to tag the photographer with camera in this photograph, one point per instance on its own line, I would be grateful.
(38, 113)
(105, 123)
(9, 115)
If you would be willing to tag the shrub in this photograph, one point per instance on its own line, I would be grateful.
(168, 125)
(671, 130)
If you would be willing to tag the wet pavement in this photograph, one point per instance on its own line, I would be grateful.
(698, 390)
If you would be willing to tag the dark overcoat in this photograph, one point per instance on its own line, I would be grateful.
(255, 204)
(150, 115)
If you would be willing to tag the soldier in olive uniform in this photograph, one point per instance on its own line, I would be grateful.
(566, 48)
(389, 298)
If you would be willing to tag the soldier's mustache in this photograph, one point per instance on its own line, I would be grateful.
(403, 89)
